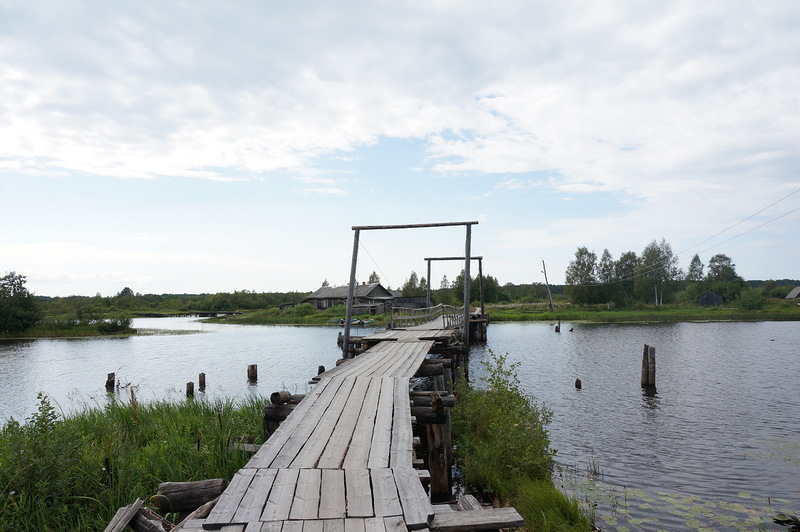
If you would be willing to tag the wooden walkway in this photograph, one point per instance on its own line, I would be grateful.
(343, 459)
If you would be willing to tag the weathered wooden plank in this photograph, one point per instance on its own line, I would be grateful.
(336, 449)
(258, 526)
(312, 526)
(255, 498)
(487, 519)
(401, 451)
(382, 435)
(354, 525)
(280, 498)
(332, 503)
(321, 436)
(303, 429)
(416, 506)
(333, 525)
(306, 495)
(358, 492)
(384, 493)
(374, 524)
(270, 450)
(230, 499)
(394, 524)
(469, 502)
(292, 526)
(123, 516)
(358, 451)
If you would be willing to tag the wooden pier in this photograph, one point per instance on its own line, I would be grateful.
(344, 458)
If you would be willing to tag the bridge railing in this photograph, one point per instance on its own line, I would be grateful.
(409, 317)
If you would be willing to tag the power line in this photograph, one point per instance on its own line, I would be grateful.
(657, 266)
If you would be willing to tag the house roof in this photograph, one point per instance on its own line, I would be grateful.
(794, 293)
(369, 291)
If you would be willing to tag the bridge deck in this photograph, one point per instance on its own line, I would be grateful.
(342, 460)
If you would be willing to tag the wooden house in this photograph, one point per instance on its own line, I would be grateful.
(710, 298)
(367, 298)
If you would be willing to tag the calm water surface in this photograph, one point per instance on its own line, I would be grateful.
(715, 447)
(719, 438)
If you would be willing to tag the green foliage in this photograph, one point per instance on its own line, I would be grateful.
(500, 432)
(751, 299)
(74, 473)
(546, 509)
(114, 325)
(18, 307)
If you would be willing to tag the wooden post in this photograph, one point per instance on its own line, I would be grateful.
(467, 251)
(111, 382)
(428, 291)
(549, 295)
(558, 327)
(648, 366)
(320, 370)
(189, 389)
(480, 283)
(252, 373)
(201, 382)
(350, 294)
(440, 458)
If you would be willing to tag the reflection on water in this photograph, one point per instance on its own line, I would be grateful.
(712, 446)
(702, 435)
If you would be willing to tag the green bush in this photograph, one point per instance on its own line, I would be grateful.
(500, 432)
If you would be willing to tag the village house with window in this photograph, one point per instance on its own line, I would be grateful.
(367, 298)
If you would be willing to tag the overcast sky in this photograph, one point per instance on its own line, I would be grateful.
(205, 146)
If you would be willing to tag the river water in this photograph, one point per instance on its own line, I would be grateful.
(716, 446)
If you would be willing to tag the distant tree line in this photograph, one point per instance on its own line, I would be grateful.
(654, 277)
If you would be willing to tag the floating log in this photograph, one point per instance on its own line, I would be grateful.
(188, 496)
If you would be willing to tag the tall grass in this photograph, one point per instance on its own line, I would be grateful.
(503, 450)
(73, 473)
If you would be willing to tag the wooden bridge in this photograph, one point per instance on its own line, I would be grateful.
(344, 459)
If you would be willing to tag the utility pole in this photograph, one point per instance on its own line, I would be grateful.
(549, 295)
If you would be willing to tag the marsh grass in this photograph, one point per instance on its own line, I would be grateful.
(503, 450)
(73, 473)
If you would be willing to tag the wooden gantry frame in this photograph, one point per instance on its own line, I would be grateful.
(351, 289)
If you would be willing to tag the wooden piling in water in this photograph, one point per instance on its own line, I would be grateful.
(189, 389)
(111, 382)
(252, 373)
(201, 382)
(648, 366)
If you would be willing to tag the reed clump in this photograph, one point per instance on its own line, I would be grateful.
(503, 449)
(60, 473)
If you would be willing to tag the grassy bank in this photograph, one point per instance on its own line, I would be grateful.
(73, 473)
(503, 451)
(776, 311)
